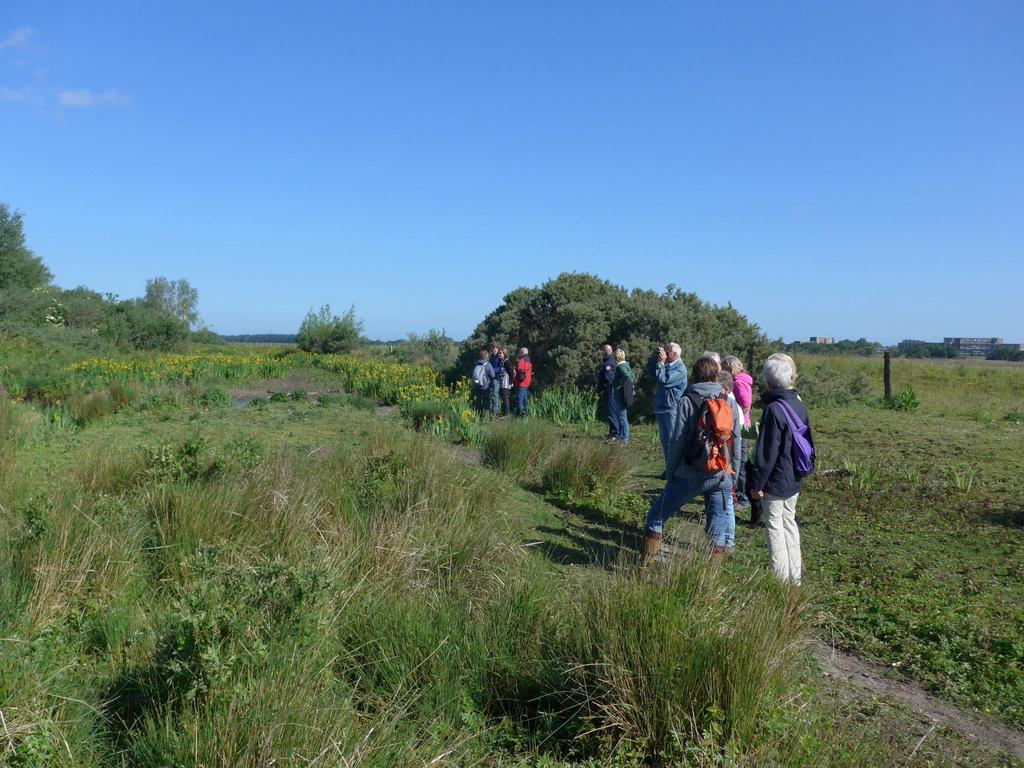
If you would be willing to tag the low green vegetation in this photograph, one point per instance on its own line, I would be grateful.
(185, 582)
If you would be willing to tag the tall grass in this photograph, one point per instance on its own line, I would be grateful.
(520, 447)
(367, 608)
(565, 405)
(584, 469)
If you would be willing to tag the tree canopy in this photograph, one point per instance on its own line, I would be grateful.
(564, 322)
(176, 298)
(20, 269)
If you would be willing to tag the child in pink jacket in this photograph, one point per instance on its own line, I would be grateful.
(743, 385)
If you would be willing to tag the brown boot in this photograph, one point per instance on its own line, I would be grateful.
(649, 548)
(718, 553)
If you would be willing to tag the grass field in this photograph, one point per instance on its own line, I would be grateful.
(189, 582)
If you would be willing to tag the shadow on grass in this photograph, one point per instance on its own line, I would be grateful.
(1008, 518)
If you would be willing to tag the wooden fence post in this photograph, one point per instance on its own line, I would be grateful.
(887, 378)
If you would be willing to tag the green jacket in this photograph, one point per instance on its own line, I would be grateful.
(622, 372)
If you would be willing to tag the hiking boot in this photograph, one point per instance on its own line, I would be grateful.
(649, 548)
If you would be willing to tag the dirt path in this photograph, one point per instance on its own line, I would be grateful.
(850, 669)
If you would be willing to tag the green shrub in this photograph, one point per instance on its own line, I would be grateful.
(133, 323)
(279, 397)
(325, 333)
(299, 395)
(215, 397)
(360, 402)
(518, 446)
(821, 384)
(206, 336)
(905, 401)
(85, 408)
(122, 393)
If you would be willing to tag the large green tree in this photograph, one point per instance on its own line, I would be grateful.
(564, 322)
(176, 298)
(20, 269)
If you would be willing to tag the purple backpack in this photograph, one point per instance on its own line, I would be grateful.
(803, 451)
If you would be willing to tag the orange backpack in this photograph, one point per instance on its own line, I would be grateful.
(711, 443)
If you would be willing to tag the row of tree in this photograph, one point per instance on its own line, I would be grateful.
(165, 316)
(860, 347)
(563, 322)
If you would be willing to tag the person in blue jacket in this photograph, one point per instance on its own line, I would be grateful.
(605, 375)
(668, 370)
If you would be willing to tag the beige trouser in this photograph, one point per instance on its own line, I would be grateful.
(783, 536)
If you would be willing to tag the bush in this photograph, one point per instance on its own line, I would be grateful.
(279, 397)
(215, 397)
(905, 401)
(300, 395)
(822, 384)
(122, 393)
(434, 348)
(135, 324)
(519, 447)
(325, 333)
(564, 321)
(206, 336)
(87, 408)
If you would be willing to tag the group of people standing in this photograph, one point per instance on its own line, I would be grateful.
(701, 416)
(706, 456)
(496, 375)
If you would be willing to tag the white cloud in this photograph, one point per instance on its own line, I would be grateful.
(9, 94)
(19, 95)
(19, 38)
(84, 98)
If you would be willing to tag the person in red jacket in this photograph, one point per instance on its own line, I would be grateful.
(524, 377)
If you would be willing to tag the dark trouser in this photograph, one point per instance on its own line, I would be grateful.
(482, 398)
(613, 416)
(741, 477)
(521, 393)
(506, 401)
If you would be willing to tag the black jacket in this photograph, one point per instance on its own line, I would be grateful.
(772, 470)
(605, 374)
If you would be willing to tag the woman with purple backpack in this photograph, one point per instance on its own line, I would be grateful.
(784, 457)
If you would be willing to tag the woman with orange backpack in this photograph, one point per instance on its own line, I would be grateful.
(701, 460)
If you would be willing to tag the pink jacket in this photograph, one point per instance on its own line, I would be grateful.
(742, 390)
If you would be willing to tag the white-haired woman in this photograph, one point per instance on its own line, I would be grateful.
(774, 477)
(622, 378)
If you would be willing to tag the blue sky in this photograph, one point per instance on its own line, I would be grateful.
(846, 169)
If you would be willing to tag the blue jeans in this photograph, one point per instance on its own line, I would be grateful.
(521, 400)
(716, 490)
(666, 426)
(618, 413)
(720, 523)
(495, 396)
(613, 421)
